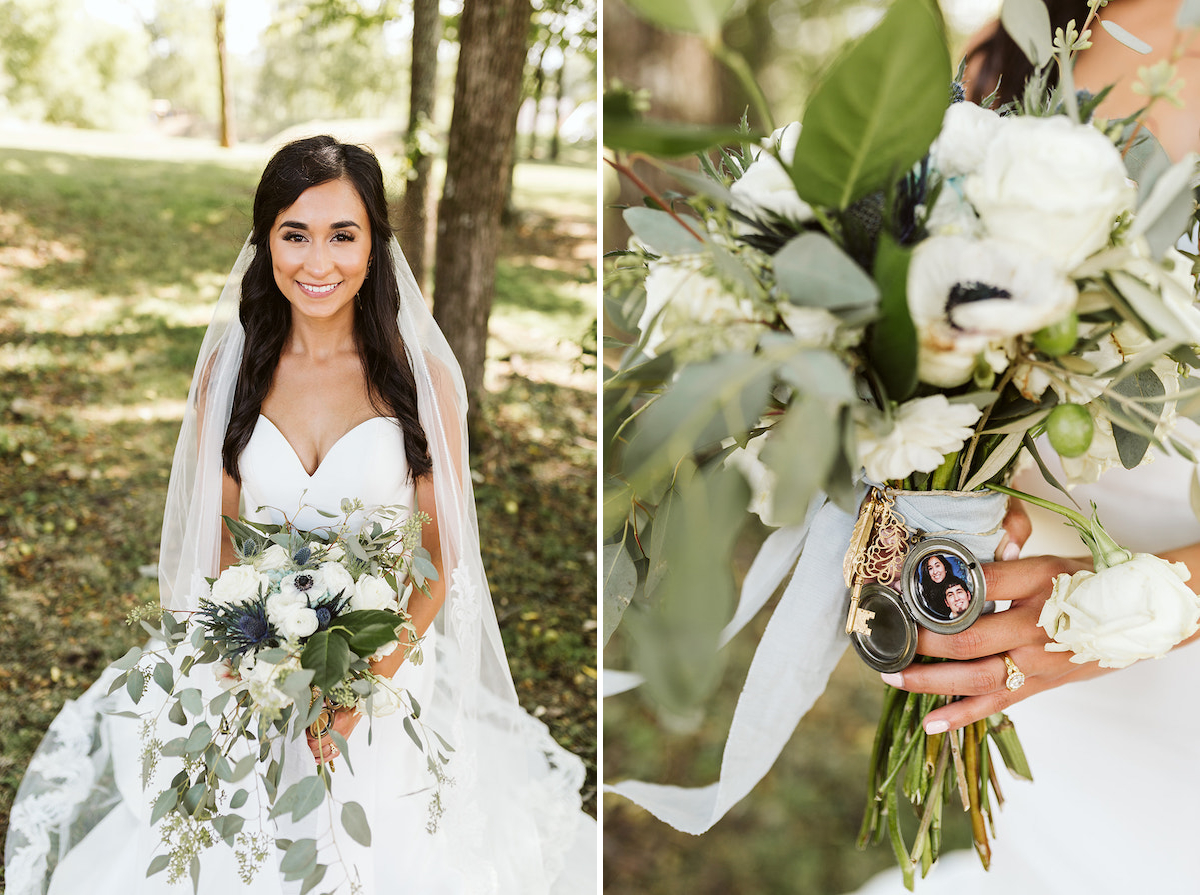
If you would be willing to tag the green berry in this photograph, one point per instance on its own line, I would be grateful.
(1057, 338)
(1070, 429)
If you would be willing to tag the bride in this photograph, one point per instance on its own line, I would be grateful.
(323, 377)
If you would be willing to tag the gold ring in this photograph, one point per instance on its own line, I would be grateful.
(1016, 677)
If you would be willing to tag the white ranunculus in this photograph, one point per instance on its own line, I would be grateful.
(290, 615)
(1051, 185)
(766, 184)
(924, 431)
(760, 479)
(238, 584)
(1133, 610)
(385, 701)
(373, 593)
(273, 559)
(688, 309)
(967, 132)
(337, 579)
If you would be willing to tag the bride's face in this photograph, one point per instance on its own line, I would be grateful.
(321, 248)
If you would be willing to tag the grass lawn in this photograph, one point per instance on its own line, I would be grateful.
(109, 266)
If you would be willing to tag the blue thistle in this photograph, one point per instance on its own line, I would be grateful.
(301, 557)
(238, 628)
(250, 548)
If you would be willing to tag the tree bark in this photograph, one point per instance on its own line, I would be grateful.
(414, 219)
(487, 92)
(225, 86)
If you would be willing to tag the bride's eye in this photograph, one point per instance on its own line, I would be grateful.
(344, 237)
(294, 236)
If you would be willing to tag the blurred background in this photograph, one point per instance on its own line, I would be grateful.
(795, 832)
(132, 134)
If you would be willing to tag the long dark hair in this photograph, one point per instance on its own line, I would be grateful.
(1001, 60)
(266, 315)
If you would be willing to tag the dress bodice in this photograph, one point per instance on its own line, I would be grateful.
(368, 463)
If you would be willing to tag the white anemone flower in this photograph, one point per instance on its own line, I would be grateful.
(967, 297)
(967, 131)
(924, 430)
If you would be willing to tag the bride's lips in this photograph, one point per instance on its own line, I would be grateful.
(318, 291)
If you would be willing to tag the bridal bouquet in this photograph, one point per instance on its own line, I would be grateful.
(291, 631)
(852, 329)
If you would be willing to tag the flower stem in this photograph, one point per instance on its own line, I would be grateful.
(1076, 517)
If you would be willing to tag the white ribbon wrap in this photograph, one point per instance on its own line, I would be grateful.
(802, 642)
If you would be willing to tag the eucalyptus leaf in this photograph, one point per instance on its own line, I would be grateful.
(1132, 445)
(801, 451)
(228, 826)
(342, 747)
(158, 865)
(354, 821)
(193, 798)
(313, 879)
(813, 272)
(163, 676)
(854, 141)
(1164, 214)
(176, 715)
(199, 739)
(704, 17)
(135, 684)
(412, 732)
(1130, 40)
(620, 580)
(658, 539)
(617, 498)
(675, 639)
(1028, 24)
(239, 799)
(166, 800)
(191, 700)
(300, 857)
(708, 402)
(128, 660)
(661, 232)
(816, 371)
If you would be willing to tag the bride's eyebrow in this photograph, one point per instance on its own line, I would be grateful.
(337, 225)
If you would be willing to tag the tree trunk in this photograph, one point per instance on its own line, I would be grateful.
(558, 98)
(487, 92)
(414, 221)
(539, 81)
(225, 85)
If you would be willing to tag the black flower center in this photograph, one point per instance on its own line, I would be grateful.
(303, 583)
(967, 293)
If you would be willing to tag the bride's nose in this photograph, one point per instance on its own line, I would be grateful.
(319, 259)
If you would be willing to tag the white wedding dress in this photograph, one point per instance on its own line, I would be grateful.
(1112, 809)
(82, 812)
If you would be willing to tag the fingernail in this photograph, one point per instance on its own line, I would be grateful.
(1011, 552)
(893, 679)
(932, 727)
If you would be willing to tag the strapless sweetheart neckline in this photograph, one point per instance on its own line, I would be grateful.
(332, 448)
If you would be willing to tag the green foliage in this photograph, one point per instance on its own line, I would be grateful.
(703, 17)
(855, 139)
(1028, 24)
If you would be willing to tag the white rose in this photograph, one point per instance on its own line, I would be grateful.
(685, 306)
(767, 186)
(273, 559)
(1051, 185)
(385, 701)
(373, 593)
(1134, 610)
(262, 681)
(337, 579)
(290, 615)
(238, 584)
(967, 131)
(924, 430)
(810, 326)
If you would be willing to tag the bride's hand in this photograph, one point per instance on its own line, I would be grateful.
(344, 722)
(980, 674)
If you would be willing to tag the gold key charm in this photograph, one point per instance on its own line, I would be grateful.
(855, 564)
